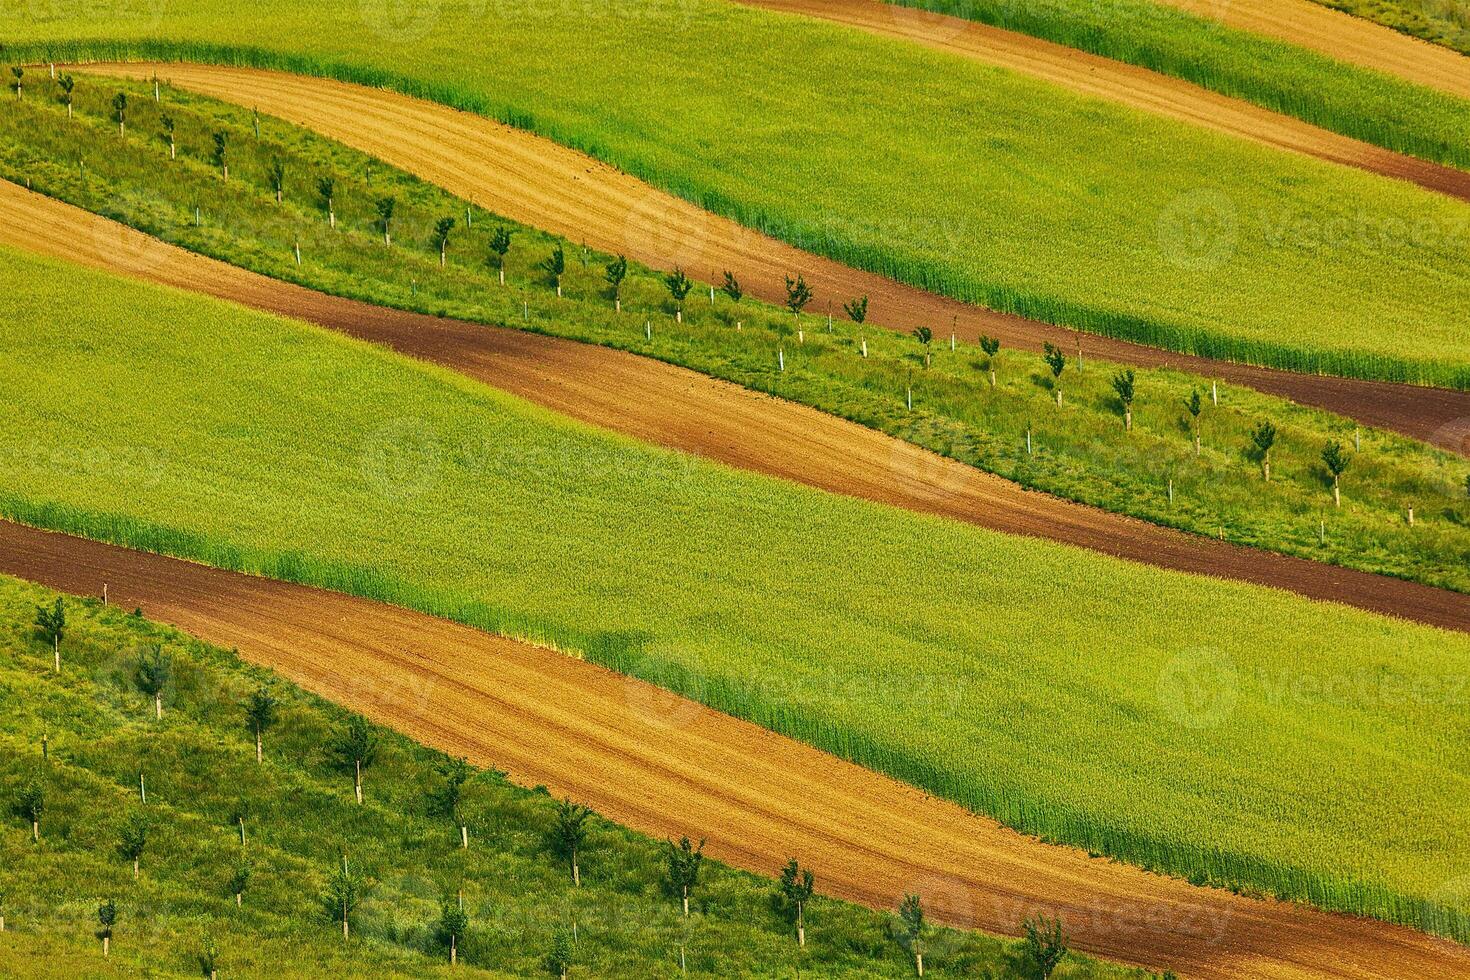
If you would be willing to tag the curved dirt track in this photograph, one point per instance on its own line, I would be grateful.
(538, 182)
(1344, 37)
(629, 749)
(1130, 85)
(680, 409)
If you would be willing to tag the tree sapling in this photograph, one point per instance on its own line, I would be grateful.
(1195, 406)
(798, 295)
(167, 122)
(276, 175)
(1263, 437)
(1336, 461)
(385, 206)
(615, 273)
(679, 286)
(909, 928)
(221, 154)
(356, 747)
(1045, 945)
(106, 920)
(1057, 361)
(857, 310)
(326, 190)
(133, 839)
(499, 247)
(66, 83)
(731, 287)
(991, 347)
(453, 922)
(442, 228)
(569, 834)
(152, 676)
(31, 803)
(684, 864)
(260, 716)
(925, 337)
(1124, 388)
(120, 112)
(51, 621)
(797, 885)
(555, 266)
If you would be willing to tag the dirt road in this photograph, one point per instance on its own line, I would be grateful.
(1344, 37)
(628, 749)
(1127, 84)
(683, 410)
(541, 183)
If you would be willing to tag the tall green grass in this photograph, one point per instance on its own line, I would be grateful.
(967, 180)
(200, 765)
(1369, 105)
(1232, 734)
(1082, 451)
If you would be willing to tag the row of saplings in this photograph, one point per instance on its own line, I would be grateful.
(354, 747)
(799, 295)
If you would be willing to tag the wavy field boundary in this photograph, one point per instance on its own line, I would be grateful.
(1118, 81)
(631, 750)
(1054, 225)
(679, 409)
(541, 183)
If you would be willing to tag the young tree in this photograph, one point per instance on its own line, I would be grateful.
(499, 247)
(239, 881)
(909, 928)
(797, 885)
(559, 960)
(132, 840)
(615, 273)
(1195, 406)
(1123, 386)
(1045, 945)
(66, 84)
(106, 919)
(19, 73)
(991, 347)
(1263, 437)
(120, 112)
(924, 336)
(798, 294)
(356, 746)
(167, 122)
(52, 624)
(684, 863)
(453, 922)
(221, 155)
(1336, 461)
(731, 287)
(31, 804)
(856, 310)
(569, 834)
(326, 189)
(1055, 360)
(276, 175)
(555, 266)
(152, 676)
(385, 206)
(446, 798)
(342, 896)
(209, 957)
(260, 716)
(679, 286)
(442, 228)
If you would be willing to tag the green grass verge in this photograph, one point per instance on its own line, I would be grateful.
(200, 766)
(1082, 451)
(1267, 258)
(1443, 22)
(1366, 104)
(1229, 733)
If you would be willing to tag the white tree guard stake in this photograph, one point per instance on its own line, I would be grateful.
(1357, 440)
(951, 343)
(911, 398)
(801, 336)
(297, 249)
(781, 358)
(865, 346)
(142, 789)
(1028, 440)
(1171, 493)
(711, 295)
(739, 324)
(1215, 392)
(648, 329)
(1411, 517)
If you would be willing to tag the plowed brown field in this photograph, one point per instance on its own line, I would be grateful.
(668, 767)
(683, 410)
(533, 180)
(1127, 84)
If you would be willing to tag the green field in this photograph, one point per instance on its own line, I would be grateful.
(1445, 22)
(1255, 263)
(1082, 452)
(199, 762)
(1363, 103)
(1290, 746)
